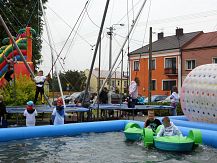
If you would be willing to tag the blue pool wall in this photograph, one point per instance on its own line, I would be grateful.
(209, 136)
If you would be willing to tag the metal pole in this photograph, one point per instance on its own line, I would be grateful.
(124, 43)
(96, 48)
(150, 67)
(98, 80)
(110, 63)
(122, 57)
(50, 42)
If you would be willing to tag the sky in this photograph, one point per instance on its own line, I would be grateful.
(162, 15)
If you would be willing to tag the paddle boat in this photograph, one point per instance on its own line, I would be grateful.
(133, 132)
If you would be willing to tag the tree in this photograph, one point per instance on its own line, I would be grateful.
(18, 14)
(75, 79)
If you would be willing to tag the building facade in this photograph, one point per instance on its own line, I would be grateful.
(118, 84)
(202, 50)
(166, 62)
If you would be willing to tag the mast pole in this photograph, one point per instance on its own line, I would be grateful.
(95, 52)
(52, 53)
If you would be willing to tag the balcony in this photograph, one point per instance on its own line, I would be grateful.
(171, 71)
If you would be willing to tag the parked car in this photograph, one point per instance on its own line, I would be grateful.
(78, 96)
(115, 98)
(166, 100)
(156, 98)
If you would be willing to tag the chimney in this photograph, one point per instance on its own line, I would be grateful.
(179, 32)
(160, 35)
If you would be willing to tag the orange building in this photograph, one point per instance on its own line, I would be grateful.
(166, 62)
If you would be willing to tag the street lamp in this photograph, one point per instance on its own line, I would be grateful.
(110, 33)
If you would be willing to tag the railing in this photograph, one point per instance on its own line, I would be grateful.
(170, 71)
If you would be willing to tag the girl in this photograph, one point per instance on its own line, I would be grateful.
(58, 114)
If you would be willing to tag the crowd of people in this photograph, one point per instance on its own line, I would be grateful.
(58, 113)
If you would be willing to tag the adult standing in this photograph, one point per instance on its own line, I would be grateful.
(133, 92)
(174, 97)
(39, 81)
(3, 113)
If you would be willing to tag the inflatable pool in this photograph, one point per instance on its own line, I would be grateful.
(9, 134)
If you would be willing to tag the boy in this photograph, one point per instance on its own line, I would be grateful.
(151, 122)
(168, 128)
(58, 114)
(30, 114)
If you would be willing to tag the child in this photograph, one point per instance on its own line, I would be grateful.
(30, 114)
(10, 70)
(58, 114)
(3, 113)
(151, 122)
(168, 128)
(174, 101)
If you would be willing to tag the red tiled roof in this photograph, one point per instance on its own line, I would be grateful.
(204, 40)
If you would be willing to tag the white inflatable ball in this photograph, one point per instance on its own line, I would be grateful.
(199, 94)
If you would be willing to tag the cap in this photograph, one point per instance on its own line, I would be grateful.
(30, 103)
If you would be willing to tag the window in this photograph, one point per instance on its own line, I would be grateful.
(113, 83)
(170, 63)
(101, 82)
(118, 82)
(136, 66)
(153, 66)
(214, 60)
(190, 64)
(153, 85)
(167, 85)
(125, 84)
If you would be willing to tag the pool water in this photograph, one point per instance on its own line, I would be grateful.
(95, 148)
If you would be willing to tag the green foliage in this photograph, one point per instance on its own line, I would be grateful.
(20, 93)
(75, 80)
(18, 14)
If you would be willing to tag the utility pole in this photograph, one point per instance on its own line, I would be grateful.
(110, 33)
(150, 67)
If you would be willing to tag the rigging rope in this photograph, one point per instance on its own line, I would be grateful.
(69, 25)
(73, 38)
(31, 13)
(69, 35)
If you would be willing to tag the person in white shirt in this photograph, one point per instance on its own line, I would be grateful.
(30, 114)
(168, 128)
(133, 92)
(58, 114)
(174, 98)
(39, 81)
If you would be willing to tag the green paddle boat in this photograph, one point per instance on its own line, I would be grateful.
(133, 132)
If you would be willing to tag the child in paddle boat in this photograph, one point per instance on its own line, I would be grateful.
(168, 128)
(151, 121)
(58, 114)
(30, 113)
